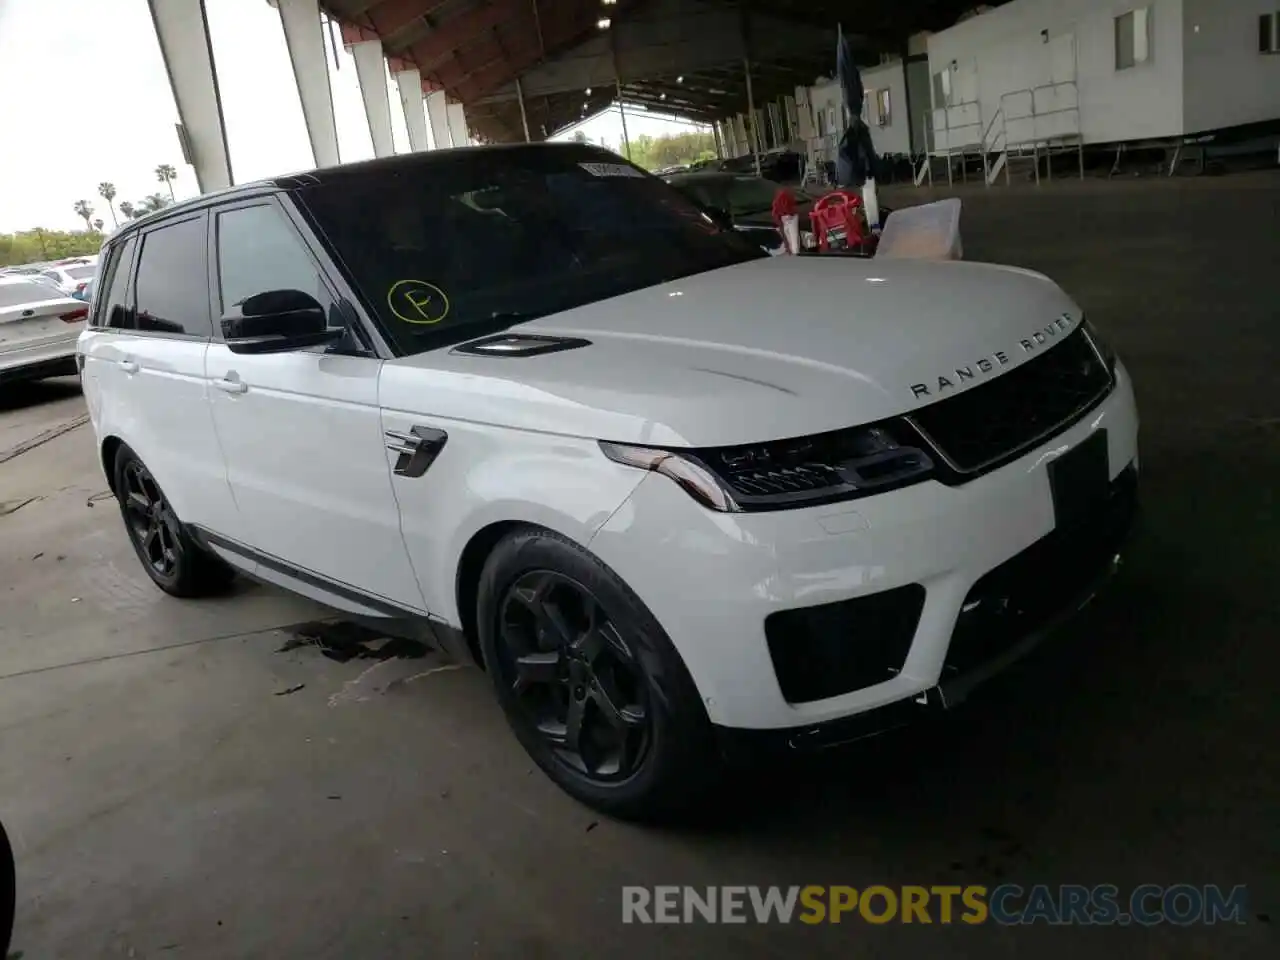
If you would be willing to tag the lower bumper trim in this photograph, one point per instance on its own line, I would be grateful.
(738, 743)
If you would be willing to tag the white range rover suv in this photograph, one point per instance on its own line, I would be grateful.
(676, 496)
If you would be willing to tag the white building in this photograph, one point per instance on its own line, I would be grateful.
(1103, 71)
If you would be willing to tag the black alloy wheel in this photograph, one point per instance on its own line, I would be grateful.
(576, 681)
(175, 562)
(592, 686)
(152, 523)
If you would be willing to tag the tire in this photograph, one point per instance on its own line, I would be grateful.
(634, 687)
(171, 558)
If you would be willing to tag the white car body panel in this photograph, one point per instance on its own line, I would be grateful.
(150, 391)
(765, 350)
(488, 474)
(307, 468)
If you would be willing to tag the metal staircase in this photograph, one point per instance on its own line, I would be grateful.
(1033, 124)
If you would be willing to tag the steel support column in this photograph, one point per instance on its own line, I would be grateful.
(457, 115)
(753, 133)
(183, 31)
(409, 83)
(437, 113)
(371, 72)
(304, 36)
(524, 116)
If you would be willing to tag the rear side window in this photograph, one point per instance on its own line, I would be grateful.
(171, 291)
(258, 251)
(81, 273)
(110, 309)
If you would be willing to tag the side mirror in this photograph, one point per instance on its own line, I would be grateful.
(277, 321)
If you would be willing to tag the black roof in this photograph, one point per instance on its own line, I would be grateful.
(399, 164)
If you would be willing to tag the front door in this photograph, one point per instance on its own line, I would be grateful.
(302, 430)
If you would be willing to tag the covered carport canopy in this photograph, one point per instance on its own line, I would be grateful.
(684, 57)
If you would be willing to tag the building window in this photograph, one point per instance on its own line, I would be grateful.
(942, 89)
(882, 107)
(1269, 33)
(1133, 38)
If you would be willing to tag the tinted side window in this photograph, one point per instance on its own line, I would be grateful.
(111, 309)
(258, 250)
(171, 291)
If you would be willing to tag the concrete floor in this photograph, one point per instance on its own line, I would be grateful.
(165, 802)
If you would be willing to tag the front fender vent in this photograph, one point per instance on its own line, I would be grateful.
(519, 345)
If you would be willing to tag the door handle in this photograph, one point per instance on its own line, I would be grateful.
(227, 385)
(128, 366)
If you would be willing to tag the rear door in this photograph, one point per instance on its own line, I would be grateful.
(302, 430)
(38, 324)
(152, 350)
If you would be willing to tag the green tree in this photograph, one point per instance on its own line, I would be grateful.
(166, 174)
(84, 210)
(127, 209)
(579, 137)
(150, 204)
(98, 224)
(669, 150)
(107, 191)
(30, 246)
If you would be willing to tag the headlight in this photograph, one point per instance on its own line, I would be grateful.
(839, 465)
(1104, 351)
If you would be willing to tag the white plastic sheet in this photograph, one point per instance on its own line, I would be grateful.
(930, 231)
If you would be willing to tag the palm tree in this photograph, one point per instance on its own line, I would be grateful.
(150, 204)
(166, 175)
(98, 224)
(127, 209)
(107, 191)
(83, 209)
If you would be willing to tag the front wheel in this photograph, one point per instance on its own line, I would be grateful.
(589, 681)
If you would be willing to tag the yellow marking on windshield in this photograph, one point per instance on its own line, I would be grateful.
(416, 301)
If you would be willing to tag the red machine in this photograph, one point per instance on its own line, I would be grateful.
(838, 221)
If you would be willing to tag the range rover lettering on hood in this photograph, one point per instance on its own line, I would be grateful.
(985, 366)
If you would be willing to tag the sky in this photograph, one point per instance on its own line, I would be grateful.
(83, 84)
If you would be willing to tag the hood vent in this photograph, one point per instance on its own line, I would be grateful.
(519, 345)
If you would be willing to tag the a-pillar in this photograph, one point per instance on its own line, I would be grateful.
(438, 113)
(183, 32)
(409, 83)
(458, 125)
(371, 72)
(304, 36)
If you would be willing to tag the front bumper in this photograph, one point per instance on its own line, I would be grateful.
(712, 579)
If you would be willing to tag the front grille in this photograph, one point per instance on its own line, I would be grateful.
(1026, 592)
(834, 648)
(994, 422)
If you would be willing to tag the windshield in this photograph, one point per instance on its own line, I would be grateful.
(465, 244)
(12, 294)
(81, 273)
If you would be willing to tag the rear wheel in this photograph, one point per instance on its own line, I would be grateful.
(174, 562)
(589, 681)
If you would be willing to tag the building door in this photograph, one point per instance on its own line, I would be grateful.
(1062, 59)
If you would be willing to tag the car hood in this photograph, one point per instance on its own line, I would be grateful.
(764, 350)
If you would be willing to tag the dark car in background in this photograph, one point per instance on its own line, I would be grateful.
(746, 199)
